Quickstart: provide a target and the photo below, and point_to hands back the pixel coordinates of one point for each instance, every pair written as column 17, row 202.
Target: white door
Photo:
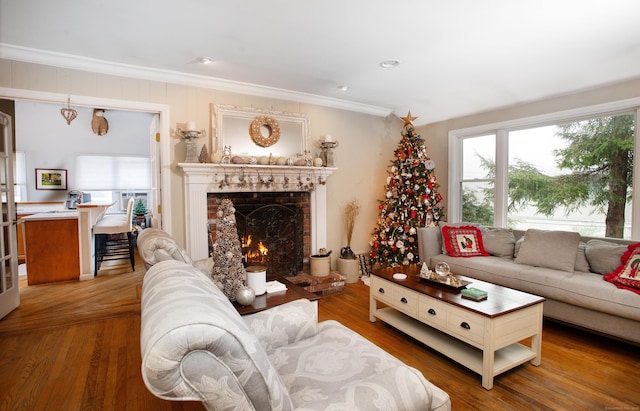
column 9, row 287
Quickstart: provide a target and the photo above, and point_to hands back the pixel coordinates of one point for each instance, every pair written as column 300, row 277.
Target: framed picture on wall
column 51, row 179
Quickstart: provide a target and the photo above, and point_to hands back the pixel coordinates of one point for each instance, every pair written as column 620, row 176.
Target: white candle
column 191, row 126
column 328, row 138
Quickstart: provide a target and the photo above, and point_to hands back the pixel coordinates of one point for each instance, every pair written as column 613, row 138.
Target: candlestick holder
column 190, row 138
column 327, row 153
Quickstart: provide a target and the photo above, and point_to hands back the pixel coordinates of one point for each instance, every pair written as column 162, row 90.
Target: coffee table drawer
column 433, row 312
column 406, row 300
column 394, row 295
column 466, row 325
column 382, row 289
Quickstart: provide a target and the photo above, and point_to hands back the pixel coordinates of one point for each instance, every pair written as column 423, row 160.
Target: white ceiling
column 457, row 57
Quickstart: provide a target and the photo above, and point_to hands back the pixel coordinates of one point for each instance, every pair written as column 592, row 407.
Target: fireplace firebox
column 272, row 227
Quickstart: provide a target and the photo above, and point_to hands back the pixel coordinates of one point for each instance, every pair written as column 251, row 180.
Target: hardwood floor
column 75, row 346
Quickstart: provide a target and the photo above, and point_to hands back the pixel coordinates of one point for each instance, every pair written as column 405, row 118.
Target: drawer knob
column 381, row 290
column 403, row 300
column 465, row 325
column 432, row 311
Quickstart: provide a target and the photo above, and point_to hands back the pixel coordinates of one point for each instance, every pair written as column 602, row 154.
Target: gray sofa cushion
column 550, row 249
column 604, row 256
column 498, row 241
column 582, row 264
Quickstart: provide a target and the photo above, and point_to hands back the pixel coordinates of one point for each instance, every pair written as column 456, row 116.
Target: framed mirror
column 255, row 132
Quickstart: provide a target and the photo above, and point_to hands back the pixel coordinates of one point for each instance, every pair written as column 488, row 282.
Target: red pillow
column 463, row 241
column 627, row 275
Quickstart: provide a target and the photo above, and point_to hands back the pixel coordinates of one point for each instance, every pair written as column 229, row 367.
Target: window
column 477, row 184
column 568, row 171
column 20, row 176
column 114, row 178
column 115, row 173
column 142, row 196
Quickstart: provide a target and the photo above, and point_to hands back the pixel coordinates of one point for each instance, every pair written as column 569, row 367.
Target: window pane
column 573, row 176
column 478, row 157
column 477, row 203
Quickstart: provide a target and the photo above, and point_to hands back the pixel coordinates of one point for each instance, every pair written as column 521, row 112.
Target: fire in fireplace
column 253, row 252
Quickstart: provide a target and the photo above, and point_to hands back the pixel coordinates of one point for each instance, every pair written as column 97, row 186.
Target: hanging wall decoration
column 99, row 124
column 68, row 113
column 268, row 124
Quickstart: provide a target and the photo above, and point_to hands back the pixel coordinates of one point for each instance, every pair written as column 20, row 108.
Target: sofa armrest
column 195, row 345
column 429, row 243
column 284, row 324
column 155, row 245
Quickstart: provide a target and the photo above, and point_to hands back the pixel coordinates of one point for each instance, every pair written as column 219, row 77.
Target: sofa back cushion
column 582, row 264
column 604, row 256
column 550, row 249
column 195, row 345
column 499, row 242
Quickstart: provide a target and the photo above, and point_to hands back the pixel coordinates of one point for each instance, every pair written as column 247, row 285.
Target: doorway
column 159, row 147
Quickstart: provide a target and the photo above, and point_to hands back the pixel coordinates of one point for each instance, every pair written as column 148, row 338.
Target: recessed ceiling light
column 343, row 88
column 390, row 63
column 205, row 60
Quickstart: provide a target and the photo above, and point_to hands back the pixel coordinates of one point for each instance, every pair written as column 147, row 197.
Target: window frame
column 501, row 131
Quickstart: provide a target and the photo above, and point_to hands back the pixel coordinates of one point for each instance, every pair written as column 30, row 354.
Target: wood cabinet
column 52, row 247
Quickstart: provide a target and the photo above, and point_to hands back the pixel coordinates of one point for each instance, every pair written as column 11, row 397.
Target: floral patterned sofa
column 195, row 346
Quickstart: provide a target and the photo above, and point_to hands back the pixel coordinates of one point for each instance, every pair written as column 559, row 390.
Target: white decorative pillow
column 550, row 249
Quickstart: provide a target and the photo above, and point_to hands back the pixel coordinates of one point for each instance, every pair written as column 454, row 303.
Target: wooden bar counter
column 52, row 247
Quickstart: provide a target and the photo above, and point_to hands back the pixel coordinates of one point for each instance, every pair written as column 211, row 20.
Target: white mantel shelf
column 203, row 178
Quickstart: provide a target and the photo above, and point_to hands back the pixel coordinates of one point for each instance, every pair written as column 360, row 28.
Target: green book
column 474, row 293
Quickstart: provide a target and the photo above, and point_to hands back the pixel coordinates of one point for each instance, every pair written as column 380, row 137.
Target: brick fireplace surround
column 201, row 179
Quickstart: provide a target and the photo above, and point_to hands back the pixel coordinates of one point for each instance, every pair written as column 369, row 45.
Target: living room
column 367, row 139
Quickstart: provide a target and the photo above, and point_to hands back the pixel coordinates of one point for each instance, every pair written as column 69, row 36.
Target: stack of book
column 474, row 294
column 275, row 286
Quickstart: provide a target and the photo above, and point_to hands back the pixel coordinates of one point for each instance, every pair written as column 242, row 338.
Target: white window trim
column 502, row 129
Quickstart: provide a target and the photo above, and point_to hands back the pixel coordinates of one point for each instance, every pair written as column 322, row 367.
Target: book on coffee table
column 475, row 294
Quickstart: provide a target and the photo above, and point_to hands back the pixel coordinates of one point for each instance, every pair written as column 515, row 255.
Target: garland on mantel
column 238, row 179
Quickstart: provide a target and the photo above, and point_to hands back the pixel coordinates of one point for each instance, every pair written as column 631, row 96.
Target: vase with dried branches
column 351, row 211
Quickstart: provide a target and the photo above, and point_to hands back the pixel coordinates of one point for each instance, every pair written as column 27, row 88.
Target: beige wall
column 366, row 142
column 438, row 132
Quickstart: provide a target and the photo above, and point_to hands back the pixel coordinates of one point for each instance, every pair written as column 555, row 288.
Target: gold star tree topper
column 408, row 120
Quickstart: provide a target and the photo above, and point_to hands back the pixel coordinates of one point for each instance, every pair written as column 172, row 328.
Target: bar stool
column 113, row 239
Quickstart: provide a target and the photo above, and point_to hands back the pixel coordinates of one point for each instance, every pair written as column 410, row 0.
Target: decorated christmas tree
column 411, row 201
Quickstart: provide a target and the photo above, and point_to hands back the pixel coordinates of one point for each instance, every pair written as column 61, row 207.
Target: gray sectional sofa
column 563, row 267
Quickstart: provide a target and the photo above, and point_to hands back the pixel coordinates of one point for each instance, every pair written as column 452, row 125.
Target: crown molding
column 29, row 55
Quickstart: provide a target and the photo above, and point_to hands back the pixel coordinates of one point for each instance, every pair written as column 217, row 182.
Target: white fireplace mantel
column 201, row 179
